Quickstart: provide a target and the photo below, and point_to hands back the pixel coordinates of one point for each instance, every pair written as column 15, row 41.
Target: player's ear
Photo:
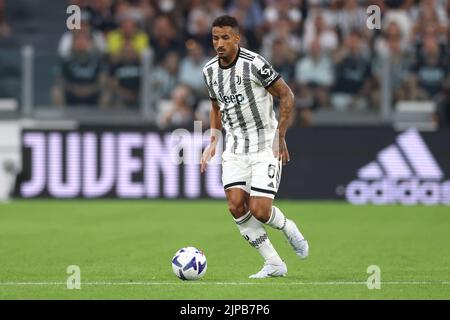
column 235, row 34
column 237, row 37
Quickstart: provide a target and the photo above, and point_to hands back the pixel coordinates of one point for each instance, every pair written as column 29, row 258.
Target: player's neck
column 224, row 64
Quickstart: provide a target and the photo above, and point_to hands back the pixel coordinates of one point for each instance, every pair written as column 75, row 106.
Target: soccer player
column 241, row 84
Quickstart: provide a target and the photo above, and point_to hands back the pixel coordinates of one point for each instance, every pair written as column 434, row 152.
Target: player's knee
column 237, row 209
column 262, row 213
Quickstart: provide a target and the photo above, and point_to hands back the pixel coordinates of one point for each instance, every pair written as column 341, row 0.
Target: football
column 189, row 263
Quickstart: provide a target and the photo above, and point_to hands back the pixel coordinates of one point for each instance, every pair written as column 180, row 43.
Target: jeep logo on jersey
column 404, row 172
column 265, row 72
column 233, row 98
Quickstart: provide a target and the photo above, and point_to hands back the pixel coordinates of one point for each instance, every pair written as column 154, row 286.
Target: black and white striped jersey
column 245, row 104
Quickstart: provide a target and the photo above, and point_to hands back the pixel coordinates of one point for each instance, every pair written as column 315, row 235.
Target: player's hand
column 209, row 152
column 280, row 150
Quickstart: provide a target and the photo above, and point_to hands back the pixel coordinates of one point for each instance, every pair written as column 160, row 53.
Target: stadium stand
column 323, row 49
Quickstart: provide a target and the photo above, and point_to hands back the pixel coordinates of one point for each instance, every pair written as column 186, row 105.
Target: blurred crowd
column 322, row 48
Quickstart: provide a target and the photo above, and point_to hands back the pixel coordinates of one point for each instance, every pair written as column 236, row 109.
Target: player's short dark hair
column 226, row 21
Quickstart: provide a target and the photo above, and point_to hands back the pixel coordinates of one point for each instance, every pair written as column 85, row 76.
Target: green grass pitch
column 124, row 250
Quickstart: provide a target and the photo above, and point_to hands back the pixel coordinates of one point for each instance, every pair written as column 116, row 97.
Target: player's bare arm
column 282, row 91
column 216, row 127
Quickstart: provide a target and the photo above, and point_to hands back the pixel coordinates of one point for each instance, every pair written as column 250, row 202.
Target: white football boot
column 271, row 270
column 295, row 238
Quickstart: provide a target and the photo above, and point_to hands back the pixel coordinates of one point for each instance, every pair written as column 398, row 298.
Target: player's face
column 225, row 41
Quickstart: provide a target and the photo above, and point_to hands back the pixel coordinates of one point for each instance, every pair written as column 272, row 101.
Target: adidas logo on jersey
column 405, row 172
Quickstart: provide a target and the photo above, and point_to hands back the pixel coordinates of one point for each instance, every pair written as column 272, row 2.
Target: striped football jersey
column 246, row 106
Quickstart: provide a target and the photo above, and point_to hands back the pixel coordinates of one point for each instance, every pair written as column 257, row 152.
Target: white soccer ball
column 189, row 263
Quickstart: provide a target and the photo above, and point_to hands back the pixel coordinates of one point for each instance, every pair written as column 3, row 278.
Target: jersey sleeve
column 208, row 83
column 263, row 72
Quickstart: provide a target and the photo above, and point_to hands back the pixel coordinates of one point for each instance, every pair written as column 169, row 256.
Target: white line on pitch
column 306, row 283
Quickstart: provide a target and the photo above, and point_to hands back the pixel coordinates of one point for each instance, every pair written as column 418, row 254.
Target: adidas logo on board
column 405, row 172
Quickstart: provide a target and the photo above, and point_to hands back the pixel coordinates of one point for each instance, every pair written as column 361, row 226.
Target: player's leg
column 263, row 210
column 266, row 174
column 235, row 179
column 250, row 228
column 238, row 200
column 254, row 232
column 235, row 176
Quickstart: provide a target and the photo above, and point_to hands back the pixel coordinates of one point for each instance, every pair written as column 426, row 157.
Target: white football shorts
column 259, row 174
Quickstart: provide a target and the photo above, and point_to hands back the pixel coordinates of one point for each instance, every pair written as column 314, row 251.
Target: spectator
column 352, row 70
column 250, row 17
column 126, row 77
column 81, row 76
column 146, row 10
column 191, row 69
column 199, row 20
column 122, row 6
column 67, row 39
column 198, row 11
column 283, row 10
column 430, row 11
column 199, row 29
column 410, row 90
column 331, row 13
column 389, row 48
column 282, row 59
column 353, row 17
column 202, row 113
column 128, row 33
column 101, row 16
column 164, row 39
column 392, row 36
column 431, row 69
column 5, row 30
column 397, row 12
column 314, row 75
column 179, row 113
column 431, row 27
column 283, row 33
column 165, row 6
column 165, row 77
column 248, row 12
column 319, row 29
column 215, row 8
